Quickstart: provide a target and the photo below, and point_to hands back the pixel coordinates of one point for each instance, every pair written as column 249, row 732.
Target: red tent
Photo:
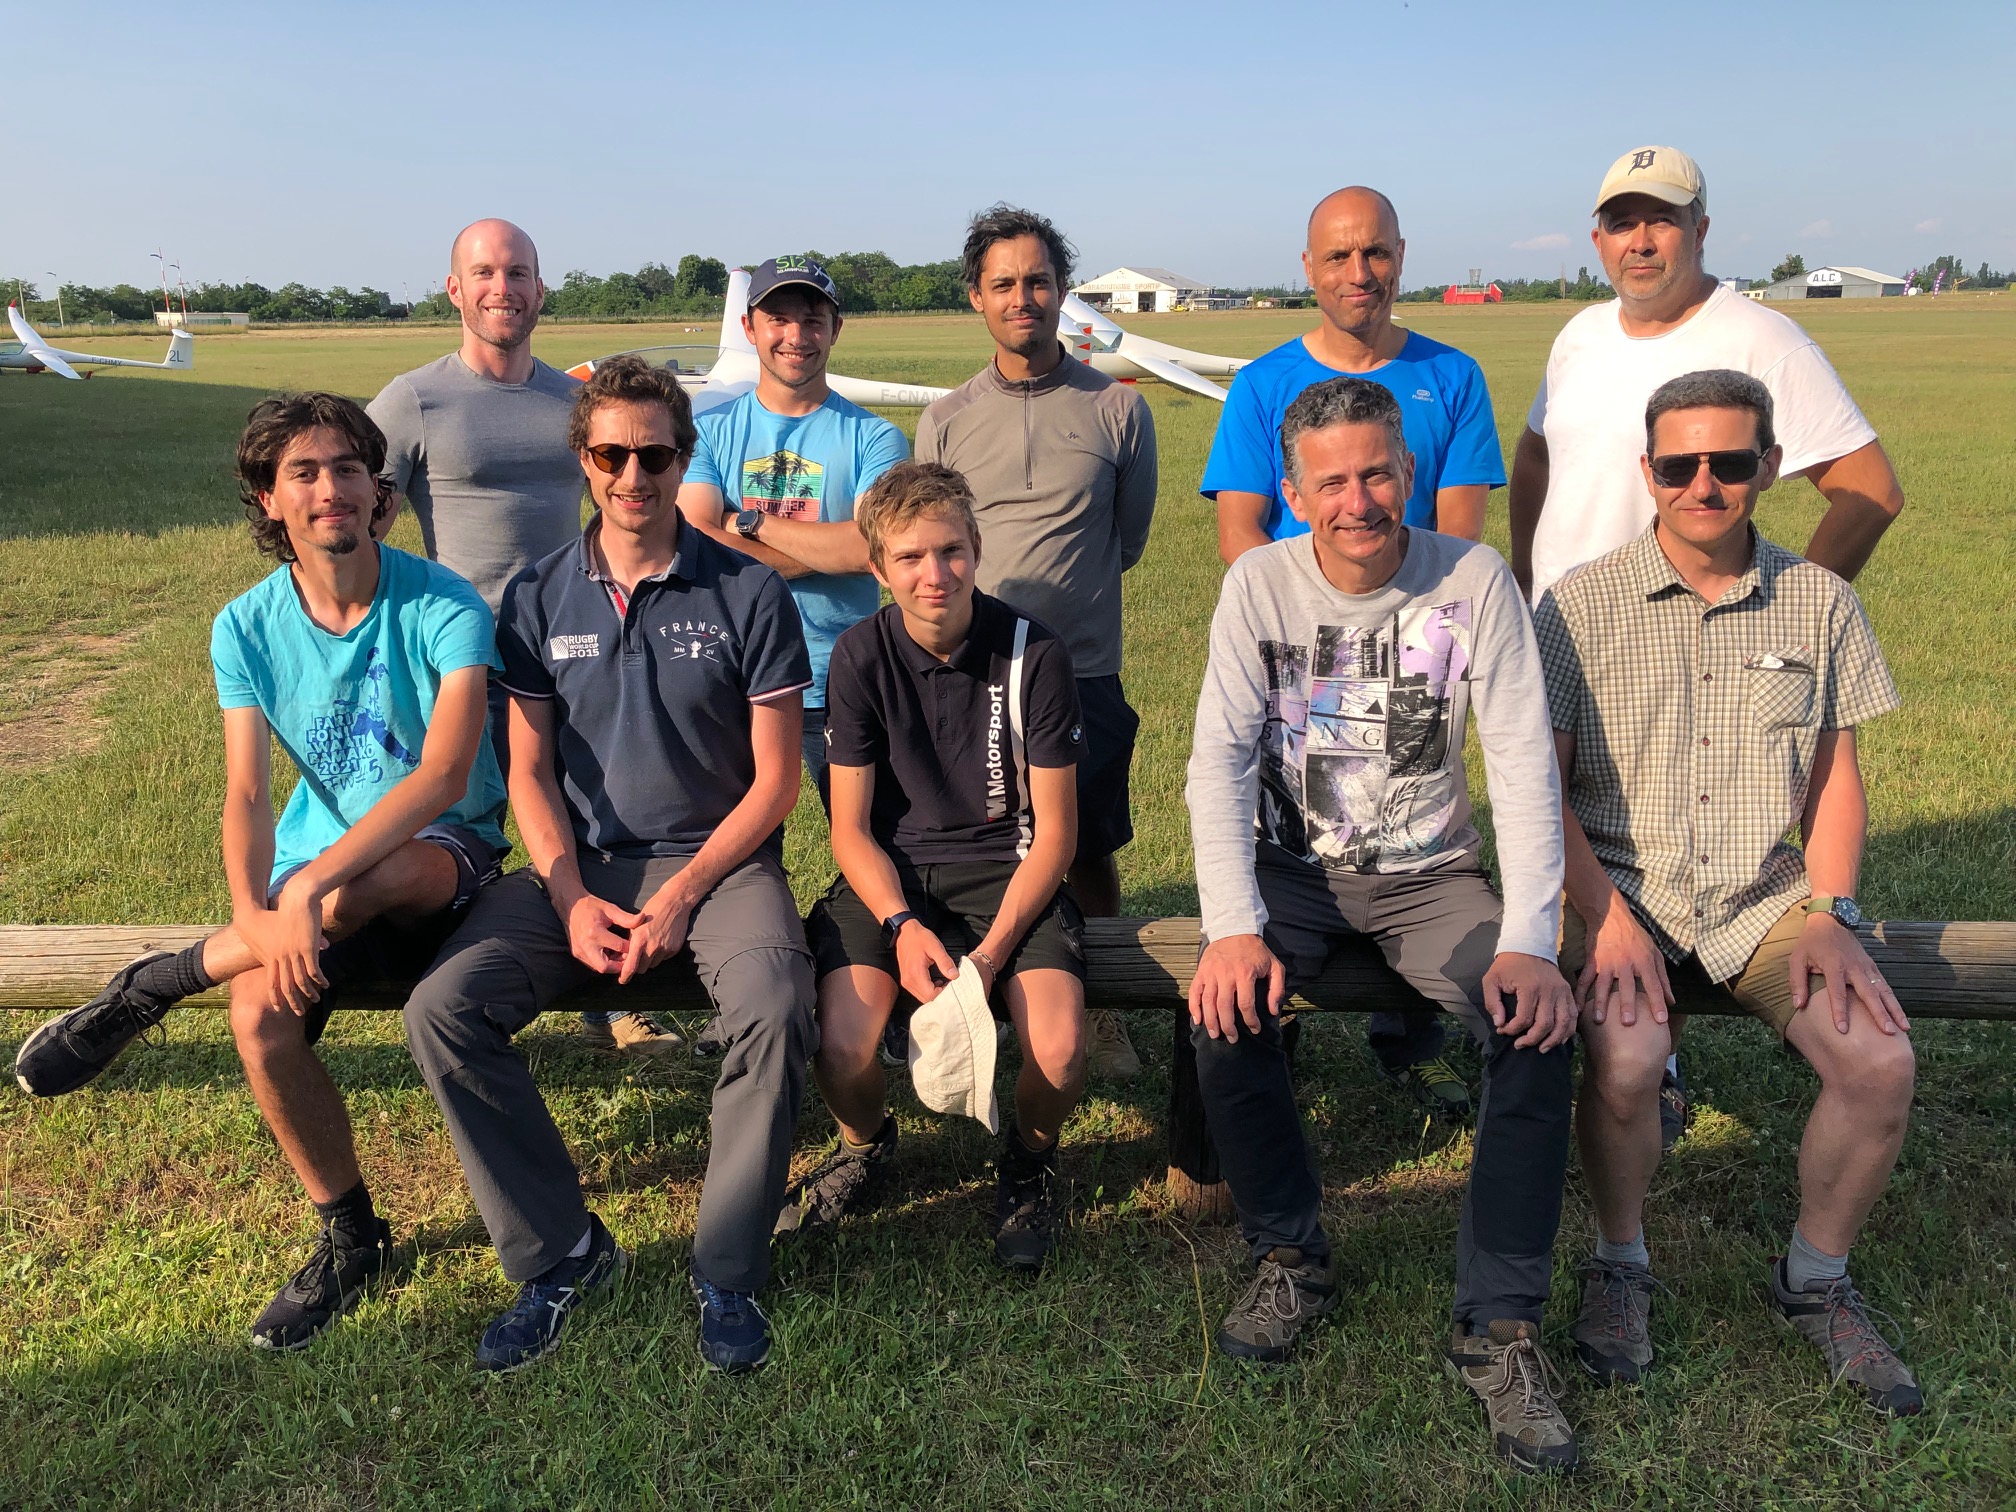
column 1489, row 294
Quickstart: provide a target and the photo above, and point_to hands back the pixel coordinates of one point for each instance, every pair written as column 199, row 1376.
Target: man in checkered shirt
column 1705, row 686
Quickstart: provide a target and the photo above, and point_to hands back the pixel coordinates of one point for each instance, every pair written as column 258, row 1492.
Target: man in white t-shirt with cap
column 1576, row 490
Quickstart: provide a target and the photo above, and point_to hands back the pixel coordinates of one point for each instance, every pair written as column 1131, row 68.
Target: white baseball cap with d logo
column 1665, row 173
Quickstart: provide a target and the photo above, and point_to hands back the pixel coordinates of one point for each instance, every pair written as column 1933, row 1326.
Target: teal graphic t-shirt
column 352, row 710
column 803, row 467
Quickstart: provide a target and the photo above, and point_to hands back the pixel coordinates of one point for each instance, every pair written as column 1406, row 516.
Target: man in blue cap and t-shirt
column 777, row 471
column 1353, row 261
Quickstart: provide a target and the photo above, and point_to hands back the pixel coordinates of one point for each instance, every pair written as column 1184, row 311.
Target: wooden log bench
column 1938, row 970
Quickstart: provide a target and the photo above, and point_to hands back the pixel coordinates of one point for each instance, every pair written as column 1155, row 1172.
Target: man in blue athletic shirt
column 1353, row 262
column 776, row 472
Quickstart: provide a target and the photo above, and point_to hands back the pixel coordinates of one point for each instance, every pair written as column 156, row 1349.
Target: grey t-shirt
column 485, row 465
column 1063, row 472
column 1331, row 727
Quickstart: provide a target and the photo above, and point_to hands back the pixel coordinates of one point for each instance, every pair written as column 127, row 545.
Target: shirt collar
column 970, row 656
column 1056, row 378
column 682, row 555
column 1653, row 575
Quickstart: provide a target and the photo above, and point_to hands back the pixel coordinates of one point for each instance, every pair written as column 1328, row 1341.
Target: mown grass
column 145, row 1221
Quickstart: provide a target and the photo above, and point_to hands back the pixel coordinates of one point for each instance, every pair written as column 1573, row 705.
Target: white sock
column 581, row 1248
column 1673, row 1064
column 1631, row 1252
column 1806, row 1265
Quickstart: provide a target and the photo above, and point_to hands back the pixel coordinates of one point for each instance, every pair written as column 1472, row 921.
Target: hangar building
column 1834, row 283
column 1127, row 291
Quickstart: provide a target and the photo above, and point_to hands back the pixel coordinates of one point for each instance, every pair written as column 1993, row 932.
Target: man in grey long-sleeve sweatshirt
column 1327, row 799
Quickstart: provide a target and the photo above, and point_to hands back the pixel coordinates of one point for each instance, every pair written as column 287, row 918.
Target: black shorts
column 957, row 900
column 1105, row 822
column 388, row 950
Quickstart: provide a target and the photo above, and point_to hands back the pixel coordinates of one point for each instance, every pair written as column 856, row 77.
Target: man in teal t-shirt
column 370, row 667
column 777, row 471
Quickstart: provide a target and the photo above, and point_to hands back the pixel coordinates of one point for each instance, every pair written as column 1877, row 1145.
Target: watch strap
column 893, row 925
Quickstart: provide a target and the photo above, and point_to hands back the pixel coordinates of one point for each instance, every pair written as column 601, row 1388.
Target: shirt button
column 1699, row 914
column 1704, row 740
column 1704, row 860
column 1704, row 797
column 1707, row 677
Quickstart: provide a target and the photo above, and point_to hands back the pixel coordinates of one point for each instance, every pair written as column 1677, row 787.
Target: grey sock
column 1810, row 1269
column 1631, row 1252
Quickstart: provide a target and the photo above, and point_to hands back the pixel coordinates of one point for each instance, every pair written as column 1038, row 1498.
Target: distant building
column 1833, row 283
column 1130, row 291
column 1473, row 294
column 196, row 319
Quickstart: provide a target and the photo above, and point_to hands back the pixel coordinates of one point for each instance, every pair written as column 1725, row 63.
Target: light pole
column 166, row 308
column 59, row 301
column 182, row 289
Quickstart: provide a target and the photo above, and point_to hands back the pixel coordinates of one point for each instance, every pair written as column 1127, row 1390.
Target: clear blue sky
column 346, row 144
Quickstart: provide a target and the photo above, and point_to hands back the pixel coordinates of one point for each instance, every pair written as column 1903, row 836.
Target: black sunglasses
column 612, row 459
column 1680, row 469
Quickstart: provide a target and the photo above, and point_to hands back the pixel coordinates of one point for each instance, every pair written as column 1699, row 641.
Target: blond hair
column 912, row 491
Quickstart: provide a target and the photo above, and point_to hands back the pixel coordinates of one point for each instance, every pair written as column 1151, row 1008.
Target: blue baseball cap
column 776, row 273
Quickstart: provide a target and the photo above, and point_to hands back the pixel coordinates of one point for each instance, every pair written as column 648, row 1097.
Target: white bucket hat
column 952, row 1048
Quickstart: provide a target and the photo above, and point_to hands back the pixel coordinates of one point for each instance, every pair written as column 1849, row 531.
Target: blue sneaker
column 531, row 1329
column 734, row 1334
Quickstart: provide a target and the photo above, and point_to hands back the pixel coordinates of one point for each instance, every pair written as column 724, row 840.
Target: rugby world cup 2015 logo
column 693, row 640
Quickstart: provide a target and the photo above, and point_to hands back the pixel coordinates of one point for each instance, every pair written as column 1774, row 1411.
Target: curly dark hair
column 271, row 428
column 1004, row 222
column 1343, row 400
column 629, row 379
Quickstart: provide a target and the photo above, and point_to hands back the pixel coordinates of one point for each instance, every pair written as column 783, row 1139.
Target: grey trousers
column 1439, row 930
column 510, row 959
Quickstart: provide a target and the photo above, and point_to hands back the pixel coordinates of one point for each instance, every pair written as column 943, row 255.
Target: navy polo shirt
column 651, row 716
column 951, row 781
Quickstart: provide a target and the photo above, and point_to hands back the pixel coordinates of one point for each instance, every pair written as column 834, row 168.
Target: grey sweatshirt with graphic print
column 1330, row 732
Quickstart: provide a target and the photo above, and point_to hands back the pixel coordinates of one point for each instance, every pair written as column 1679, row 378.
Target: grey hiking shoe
column 1613, row 1331
column 1517, row 1384
column 1836, row 1320
column 1290, row 1292
column 847, row 1181
column 1109, row 1053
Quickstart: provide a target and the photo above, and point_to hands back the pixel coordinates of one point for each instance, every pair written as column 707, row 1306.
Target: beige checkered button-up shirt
column 1695, row 726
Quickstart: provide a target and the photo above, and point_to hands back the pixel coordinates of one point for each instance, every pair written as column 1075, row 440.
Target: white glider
column 30, row 352
column 1097, row 339
column 715, row 375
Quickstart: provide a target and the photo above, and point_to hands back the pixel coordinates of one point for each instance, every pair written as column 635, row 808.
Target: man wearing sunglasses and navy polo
column 655, row 679
column 1705, row 686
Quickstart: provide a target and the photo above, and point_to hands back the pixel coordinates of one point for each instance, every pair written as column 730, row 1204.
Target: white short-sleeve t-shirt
column 1591, row 410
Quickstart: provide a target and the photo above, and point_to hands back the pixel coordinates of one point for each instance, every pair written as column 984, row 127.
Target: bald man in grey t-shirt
column 477, row 442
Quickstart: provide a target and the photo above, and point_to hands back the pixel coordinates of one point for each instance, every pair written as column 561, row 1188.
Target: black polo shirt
column 951, row 780
column 651, row 715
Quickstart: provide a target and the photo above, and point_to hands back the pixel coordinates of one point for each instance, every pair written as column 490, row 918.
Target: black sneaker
column 328, row 1286
column 847, row 1181
column 1025, row 1206
column 1675, row 1111
column 72, row 1048
column 894, row 1050
column 530, row 1328
column 1434, row 1084
column 734, row 1333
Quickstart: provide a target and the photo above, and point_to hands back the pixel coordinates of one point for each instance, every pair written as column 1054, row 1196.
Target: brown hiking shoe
column 1517, row 1384
column 632, row 1034
column 1289, row 1293
column 1836, row 1319
column 1109, row 1054
column 1613, row 1331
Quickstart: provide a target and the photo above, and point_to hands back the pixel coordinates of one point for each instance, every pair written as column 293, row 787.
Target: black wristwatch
column 893, row 926
column 748, row 522
column 1843, row 908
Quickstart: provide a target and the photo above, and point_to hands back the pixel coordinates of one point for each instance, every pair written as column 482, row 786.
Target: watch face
column 749, row 521
column 1847, row 912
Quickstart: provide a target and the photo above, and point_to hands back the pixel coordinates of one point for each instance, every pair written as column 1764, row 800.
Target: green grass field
column 144, row 1222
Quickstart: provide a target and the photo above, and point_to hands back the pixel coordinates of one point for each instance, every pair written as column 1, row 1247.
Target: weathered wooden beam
column 1938, row 970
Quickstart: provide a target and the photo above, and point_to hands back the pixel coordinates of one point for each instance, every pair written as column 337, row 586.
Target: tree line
column 867, row 281
column 1581, row 286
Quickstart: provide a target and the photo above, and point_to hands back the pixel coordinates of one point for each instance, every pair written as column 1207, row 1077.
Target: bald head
column 1353, row 263
column 493, row 280
column 1355, row 203
column 497, row 241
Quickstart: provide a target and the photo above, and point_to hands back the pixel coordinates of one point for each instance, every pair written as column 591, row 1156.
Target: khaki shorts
column 1763, row 987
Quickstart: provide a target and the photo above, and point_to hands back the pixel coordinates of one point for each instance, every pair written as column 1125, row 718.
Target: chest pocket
column 1779, row 699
